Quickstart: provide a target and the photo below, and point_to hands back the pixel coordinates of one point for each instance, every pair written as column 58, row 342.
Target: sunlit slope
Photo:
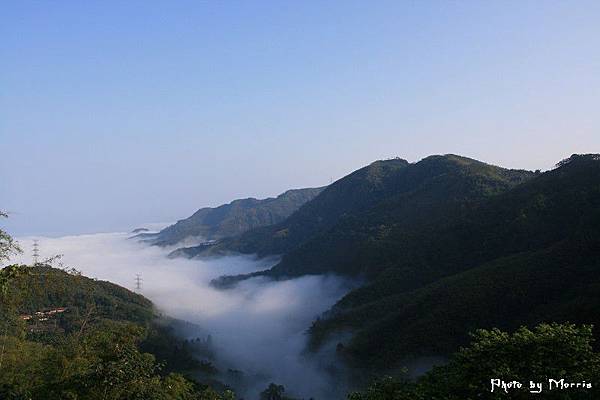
column 68, row 336
column 43, row 287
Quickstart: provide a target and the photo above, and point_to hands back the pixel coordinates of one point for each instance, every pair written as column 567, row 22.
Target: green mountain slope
column 434, row 179
column 411, row 200
column 44, row 287
column 357, row 191
column 421, row 197
column 530, row 254
column 63, row 335
column 234, row 218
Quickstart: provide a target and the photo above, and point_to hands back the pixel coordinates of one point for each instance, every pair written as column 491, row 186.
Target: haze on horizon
column 113, row 114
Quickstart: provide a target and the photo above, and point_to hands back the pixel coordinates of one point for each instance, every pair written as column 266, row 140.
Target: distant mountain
column 234, row 218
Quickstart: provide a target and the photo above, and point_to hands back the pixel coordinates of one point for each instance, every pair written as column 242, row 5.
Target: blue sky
column 117, row 113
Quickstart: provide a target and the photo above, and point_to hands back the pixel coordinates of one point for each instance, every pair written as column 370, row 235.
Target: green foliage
column 550, row 351
column 42, row 287
column 103, row 363
column 176, row 354
column 8, row 276
column 94, row 352
column 388, row 388
column 8, row 247
column 274, row 392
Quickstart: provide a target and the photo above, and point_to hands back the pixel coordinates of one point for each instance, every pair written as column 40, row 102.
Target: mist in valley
column 258, row 327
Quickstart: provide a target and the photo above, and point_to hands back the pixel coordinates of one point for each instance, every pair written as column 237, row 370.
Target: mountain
column 527, row 255
column 445, row 245
column 348, row 227
column 43, row 287
column 357, row 191
column 454, row 244
column 234, row 218
column 419, row 198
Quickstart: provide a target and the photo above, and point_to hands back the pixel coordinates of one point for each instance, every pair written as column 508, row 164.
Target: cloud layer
column 258, row 327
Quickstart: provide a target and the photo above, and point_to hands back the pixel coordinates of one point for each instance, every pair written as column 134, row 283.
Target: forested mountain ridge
column 414, row 196
column 360, row 191
column 356, row 191
column 233, row 218
column 525, row 256
column 43, row 287
column 420, row 198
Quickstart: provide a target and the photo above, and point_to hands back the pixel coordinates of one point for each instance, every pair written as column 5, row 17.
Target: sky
column 114, row 114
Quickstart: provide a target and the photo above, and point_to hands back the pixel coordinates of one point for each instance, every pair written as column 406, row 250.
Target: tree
column 549, row 351
column 388, row 388
column 273, row 392
column 8, row 246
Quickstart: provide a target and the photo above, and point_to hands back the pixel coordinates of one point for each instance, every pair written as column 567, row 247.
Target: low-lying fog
column 258, row 327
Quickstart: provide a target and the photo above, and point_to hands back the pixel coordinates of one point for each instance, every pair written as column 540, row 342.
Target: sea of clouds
column 259, row 327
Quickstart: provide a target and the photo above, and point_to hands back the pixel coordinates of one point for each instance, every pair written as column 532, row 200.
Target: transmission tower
column 138, row 282
column 36, row 251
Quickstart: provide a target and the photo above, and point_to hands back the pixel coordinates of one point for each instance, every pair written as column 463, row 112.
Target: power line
column 138, row 282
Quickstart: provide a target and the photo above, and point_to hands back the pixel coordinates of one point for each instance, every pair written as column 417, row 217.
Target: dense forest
column 524, row 256
column 65, row 336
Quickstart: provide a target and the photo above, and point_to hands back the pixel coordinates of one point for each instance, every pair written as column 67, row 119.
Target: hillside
column 68, row 336
column 457, row 245
column 43, row 287
column 420, row 198
column 352, row 193
column 234, row 218
column 521, row 257
column 357, row 241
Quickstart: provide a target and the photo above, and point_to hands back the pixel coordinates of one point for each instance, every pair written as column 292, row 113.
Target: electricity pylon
column 138, row 282
column 36, row 251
